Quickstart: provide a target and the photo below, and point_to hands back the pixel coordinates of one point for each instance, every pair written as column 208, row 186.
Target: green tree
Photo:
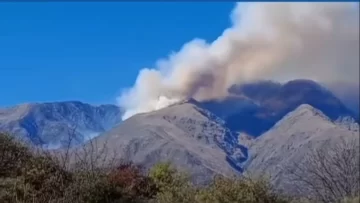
column 173, row 186
column 226, row 190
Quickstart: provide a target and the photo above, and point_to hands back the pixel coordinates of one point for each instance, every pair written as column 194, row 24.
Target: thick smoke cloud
column 278, row 41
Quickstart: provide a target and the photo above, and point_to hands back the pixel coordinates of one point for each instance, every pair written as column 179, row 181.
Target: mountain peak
column 292, row 141
column 185, row 133
column 187, row 101
column 308, row 109
column 15, row 112
column 185, row 108
column 305, row 113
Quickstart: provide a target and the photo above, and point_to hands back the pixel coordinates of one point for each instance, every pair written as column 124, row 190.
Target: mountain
column 260, row 105
column 292, row 139
column 193, row 139
column 53, row 124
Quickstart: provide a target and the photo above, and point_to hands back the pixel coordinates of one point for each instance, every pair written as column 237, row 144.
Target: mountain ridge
column 191, row 138
column 51, row 123
column 292, row 140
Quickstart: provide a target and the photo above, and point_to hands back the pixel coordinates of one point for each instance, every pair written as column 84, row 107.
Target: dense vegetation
column 29, row 177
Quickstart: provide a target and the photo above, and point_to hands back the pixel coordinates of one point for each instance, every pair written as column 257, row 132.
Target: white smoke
column 279, row 41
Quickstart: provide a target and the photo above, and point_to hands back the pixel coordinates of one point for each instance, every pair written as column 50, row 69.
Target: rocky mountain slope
column 51, row 124
column 292, row 139
column 193, row 139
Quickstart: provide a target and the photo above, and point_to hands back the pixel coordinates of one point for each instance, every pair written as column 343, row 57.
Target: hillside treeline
column 27, row 176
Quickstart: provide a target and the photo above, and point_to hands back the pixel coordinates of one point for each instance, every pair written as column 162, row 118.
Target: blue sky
column 89, row 51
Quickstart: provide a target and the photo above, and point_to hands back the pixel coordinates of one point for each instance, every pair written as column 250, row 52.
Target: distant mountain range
column 259, row 127
column 54, row 124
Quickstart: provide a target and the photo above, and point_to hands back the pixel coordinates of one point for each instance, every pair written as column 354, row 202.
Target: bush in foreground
column 176, row 187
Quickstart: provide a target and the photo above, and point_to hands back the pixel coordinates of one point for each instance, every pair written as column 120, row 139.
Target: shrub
column 13, row 156
column 45, row 178
column 173, row 186
column 88, row 188
column 226, row 190
column 176, row 187
column 129, row 180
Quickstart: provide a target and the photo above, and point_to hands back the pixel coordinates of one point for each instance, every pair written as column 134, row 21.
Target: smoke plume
column 278, row 41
